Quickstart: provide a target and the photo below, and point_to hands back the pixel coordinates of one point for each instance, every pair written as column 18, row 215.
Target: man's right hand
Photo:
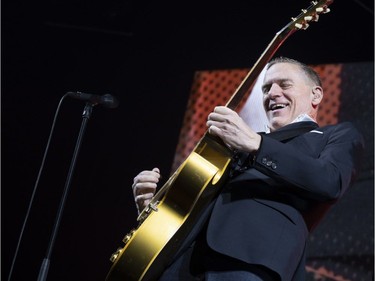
column 144, row 187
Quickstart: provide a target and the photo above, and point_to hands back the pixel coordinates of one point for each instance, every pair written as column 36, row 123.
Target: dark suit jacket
column 264, row 215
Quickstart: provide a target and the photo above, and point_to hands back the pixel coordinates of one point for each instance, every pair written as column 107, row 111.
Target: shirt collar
column 300, row 118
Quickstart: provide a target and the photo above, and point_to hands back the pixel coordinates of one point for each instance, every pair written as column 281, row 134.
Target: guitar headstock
column 303, row 19
column 310, row 14
column 300, row 22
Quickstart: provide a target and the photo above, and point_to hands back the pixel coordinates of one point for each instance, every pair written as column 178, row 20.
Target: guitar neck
column 254, row 72
column 297, row 23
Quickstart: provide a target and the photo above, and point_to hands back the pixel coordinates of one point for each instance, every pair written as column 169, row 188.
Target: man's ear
column 317, row 95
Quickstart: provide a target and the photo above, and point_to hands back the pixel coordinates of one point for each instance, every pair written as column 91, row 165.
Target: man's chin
column 277, row 123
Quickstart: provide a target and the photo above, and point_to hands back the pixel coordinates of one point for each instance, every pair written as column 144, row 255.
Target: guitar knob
column 128, row 236
column 301, row 26
column 323, row 10
column 115, row 255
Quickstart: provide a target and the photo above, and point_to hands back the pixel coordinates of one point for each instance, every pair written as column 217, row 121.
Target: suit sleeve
column 324, row 176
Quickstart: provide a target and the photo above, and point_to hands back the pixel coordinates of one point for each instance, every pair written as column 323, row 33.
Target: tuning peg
column 326, row 10
column 311, row 18
column 303, row 26
column 323, row 10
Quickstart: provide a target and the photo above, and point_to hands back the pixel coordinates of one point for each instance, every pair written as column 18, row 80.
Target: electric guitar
column 169, row 217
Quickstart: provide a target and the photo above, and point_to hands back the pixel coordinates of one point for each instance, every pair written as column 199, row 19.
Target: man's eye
column 285, row 85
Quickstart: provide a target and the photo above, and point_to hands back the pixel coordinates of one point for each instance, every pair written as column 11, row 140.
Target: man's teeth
column 277, row 106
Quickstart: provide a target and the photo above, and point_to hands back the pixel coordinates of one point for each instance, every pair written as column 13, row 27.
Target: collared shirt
column 300, row 118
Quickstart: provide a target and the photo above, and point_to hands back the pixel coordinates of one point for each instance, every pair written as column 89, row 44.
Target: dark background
column 145, row 54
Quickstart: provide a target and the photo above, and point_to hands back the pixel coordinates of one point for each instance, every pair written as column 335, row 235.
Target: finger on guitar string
column 223, row 119
column 221, row 114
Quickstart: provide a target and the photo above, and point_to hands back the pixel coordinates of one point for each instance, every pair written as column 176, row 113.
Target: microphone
column 106, row 100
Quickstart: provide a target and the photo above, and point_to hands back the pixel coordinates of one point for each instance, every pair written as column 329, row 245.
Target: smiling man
column 291, row 90
column 281, row 184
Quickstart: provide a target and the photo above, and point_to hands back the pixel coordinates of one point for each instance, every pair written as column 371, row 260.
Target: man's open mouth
column 277, row 106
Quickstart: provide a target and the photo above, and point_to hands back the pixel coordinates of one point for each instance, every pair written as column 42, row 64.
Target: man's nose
column 275, row 90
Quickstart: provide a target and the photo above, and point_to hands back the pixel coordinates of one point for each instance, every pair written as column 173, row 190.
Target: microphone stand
column 46, row 261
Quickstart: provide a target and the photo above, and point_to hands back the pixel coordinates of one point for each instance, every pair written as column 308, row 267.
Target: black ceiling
column 199, row 28
column 145, row 54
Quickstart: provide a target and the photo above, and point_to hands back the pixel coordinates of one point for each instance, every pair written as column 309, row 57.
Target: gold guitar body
column 166, row 222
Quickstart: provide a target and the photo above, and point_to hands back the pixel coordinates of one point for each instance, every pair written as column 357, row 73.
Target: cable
column 35, row 187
